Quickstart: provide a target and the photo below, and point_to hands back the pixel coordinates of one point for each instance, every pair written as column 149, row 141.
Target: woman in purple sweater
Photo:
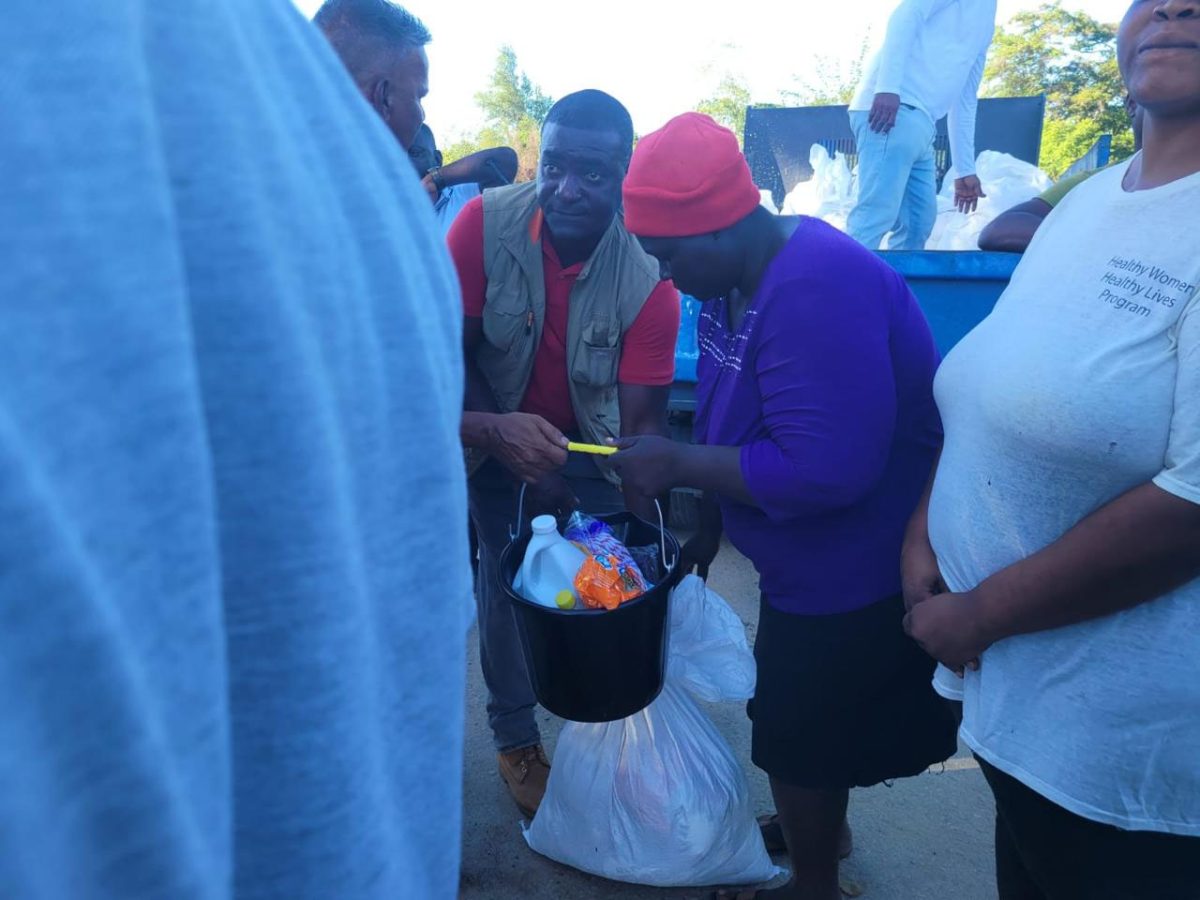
column 816, row 432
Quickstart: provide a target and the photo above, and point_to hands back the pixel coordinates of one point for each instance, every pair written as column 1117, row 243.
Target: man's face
column 706, row 266
column 424, row 152
column 399, row 104
column 579, row 181
column 1158, row 46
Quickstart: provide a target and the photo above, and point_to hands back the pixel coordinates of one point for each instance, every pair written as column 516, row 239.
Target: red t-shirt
column 647, row 349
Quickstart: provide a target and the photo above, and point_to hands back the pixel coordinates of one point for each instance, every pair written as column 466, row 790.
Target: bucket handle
column 514, row 531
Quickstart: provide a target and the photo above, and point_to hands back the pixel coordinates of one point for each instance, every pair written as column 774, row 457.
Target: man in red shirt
column 566, row 319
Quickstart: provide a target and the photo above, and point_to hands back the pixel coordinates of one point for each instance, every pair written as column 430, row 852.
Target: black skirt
column 845, row 700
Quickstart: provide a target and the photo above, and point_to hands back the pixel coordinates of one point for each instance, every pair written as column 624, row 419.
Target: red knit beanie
column 687, row 178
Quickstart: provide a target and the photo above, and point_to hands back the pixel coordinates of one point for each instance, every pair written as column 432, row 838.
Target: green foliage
column 832, row 83
column 728, row 105
column 1072, row 59
column 511, row 97
column 513, row 107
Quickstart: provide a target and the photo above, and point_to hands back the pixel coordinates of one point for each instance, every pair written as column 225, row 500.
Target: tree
column 728, row 105
column 1072, row 59
column 833, row 83
column 514, row 108
column 511, row 96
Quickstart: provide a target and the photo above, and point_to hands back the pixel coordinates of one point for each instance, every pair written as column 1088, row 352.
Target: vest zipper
column 529, row 322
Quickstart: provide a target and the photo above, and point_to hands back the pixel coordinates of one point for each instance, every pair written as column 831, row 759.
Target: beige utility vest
column 606, row 298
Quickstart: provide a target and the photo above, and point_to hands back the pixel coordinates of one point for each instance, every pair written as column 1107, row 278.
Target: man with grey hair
column 383, row 47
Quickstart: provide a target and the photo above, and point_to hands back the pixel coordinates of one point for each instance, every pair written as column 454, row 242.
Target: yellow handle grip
column 594, row 449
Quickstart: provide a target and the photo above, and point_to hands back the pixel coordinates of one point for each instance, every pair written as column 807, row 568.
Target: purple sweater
column 828, row 389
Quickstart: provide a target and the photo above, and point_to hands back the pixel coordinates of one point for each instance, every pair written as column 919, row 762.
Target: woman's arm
column 829, row 399
column 919, row 573
column 650, row 466
column 1130, row 551
column 1142, row 545
column 824, row 375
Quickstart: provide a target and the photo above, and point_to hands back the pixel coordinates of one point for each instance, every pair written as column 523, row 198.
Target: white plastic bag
column 829, row 195
column 659, row 798
column 1006, row 180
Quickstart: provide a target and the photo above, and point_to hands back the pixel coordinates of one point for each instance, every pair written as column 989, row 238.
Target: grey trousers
column 493, row 500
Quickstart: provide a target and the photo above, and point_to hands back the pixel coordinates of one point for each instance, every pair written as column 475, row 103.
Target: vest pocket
column 506, row 320
column 598, row 355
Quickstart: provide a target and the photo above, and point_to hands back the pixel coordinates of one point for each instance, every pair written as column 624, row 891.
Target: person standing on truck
column 452, row 187
column 1056, row 562
column 930, row 65
column 565, row 318
column 1013, row 229
column 815, row 430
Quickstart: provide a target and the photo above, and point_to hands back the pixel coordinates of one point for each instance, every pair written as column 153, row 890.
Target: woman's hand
column 698, row 553
column 951, row 629
column 648, row 464
column 919, row 573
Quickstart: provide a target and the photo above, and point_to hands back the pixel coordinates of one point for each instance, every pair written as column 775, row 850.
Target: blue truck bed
column 956, row 291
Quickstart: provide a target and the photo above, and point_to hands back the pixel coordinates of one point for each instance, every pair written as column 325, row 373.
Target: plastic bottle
column 547, row 573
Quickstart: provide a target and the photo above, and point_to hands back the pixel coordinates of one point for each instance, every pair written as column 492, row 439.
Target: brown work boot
column 526, row 772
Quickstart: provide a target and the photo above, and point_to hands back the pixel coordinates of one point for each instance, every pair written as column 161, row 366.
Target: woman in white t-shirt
column 1057, row 557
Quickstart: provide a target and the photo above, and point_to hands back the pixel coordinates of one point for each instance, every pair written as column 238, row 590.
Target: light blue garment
column 451, row 202
column 233, row 567
column 897, row 182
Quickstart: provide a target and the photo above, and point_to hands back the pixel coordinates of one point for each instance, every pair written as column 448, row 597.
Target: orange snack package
column 603, row 583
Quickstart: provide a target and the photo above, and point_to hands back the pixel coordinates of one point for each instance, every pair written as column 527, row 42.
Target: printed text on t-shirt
column 1137, row 287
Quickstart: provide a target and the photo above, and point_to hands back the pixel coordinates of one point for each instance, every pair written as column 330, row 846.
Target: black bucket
column 597, row 665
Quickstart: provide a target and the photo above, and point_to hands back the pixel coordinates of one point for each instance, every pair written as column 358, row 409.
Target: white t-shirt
column 933, row 56
column 1083, row 384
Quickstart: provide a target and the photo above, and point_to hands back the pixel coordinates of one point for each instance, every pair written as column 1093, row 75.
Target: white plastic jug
column 547, row 574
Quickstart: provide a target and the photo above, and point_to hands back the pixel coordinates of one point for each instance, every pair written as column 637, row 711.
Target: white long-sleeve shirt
column 933, row 56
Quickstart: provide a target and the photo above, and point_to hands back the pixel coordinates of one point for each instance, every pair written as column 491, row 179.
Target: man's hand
column 527, row 445
column 648, row 464
column 550, row 495
column 951, row 629
column 883, row 113
column 919, row 573
column 967, row 193
column 431, row 187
